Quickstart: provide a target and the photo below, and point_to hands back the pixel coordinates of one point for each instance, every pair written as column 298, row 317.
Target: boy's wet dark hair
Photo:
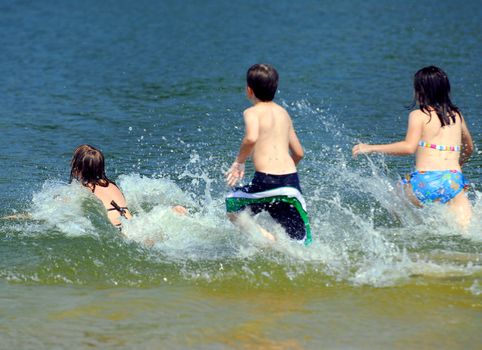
column 263, row 80
column 88, row 167
column 432, row 89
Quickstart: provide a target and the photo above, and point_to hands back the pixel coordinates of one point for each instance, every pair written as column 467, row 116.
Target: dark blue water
column 159, row 86
column 85, row 72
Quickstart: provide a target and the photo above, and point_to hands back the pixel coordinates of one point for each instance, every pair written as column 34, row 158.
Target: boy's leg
column 462, row 209
column 288, row 217
column 266, row 233
column 246, row 225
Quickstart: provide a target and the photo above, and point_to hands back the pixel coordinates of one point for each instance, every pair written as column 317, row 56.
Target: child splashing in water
column 88, row 168
column 270, row 139
column 438, row 134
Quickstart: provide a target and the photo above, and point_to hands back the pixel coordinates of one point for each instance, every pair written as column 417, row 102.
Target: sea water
column 159, row 87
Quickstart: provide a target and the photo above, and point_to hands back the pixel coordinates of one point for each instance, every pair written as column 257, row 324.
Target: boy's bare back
column 269, row 137
column 275, row 139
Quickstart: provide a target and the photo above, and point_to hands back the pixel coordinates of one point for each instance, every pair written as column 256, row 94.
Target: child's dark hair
column 263, row 80
column 432, row 90
column 87, row 167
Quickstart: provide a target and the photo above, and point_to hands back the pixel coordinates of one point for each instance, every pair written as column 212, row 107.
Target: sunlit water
column 165, row 109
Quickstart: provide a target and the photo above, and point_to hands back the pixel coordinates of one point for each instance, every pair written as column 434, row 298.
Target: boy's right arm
column 236, row 172
column 251, row 134
column 296, row 150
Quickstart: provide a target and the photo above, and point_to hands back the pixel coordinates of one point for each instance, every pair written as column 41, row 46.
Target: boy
column 271, row 141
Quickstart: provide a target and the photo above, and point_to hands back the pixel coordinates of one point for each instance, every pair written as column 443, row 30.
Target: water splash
column 364, row 230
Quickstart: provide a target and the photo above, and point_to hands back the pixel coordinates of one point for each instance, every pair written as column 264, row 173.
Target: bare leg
column 245, row 226
column 266, row 234
column 21, row 216
column 407, row 189
column 462, row 209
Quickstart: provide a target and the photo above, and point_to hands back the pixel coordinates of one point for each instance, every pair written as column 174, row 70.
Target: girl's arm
column 406, row 147
column 21, row 216
column 467, row 144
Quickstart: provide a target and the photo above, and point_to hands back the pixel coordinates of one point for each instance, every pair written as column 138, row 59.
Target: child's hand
column 360, row 149
column 235, row 173
column 179, row 209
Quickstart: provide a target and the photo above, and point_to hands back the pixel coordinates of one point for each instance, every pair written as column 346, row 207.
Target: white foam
column 60, row 207
column 363, row 230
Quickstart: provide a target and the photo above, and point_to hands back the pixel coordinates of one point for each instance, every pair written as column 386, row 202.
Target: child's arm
column 296, row 150
column 236, row 172
column 250, row 136
column 21, row 216
column 179, row 209
column 408, row 146
column 467, row 144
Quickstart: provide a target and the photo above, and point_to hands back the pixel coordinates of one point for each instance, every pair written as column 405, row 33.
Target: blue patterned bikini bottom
column 436, row 185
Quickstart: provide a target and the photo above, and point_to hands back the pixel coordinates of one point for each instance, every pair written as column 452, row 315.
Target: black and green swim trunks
column 280, row 196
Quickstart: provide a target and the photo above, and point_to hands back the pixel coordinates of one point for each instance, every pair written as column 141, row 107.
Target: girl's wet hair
column 87, row 167
column 432, row 90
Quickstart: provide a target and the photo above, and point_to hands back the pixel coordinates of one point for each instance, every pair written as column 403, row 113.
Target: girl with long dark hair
column 438, row 134
column 87, row 167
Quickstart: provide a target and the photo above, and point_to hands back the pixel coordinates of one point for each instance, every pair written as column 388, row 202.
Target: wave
column 365, row 232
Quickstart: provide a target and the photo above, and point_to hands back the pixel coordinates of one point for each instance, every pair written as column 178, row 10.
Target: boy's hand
column 235, row 173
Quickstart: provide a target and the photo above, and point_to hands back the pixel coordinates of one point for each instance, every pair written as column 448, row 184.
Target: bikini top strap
column 422, row 143
column 121, row 210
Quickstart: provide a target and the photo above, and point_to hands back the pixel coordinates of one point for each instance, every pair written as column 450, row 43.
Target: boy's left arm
column 236, row 172
column 296, row 150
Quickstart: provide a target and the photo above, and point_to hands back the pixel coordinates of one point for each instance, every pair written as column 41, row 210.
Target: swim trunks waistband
column 263, row 182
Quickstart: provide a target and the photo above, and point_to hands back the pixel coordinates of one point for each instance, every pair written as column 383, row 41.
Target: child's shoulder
column 259, row 109
column 418, row 113
column 250, row 110
column 110, row 192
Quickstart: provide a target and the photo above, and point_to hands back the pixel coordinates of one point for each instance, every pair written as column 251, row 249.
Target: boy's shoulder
column 259, row 109
column 250, row 110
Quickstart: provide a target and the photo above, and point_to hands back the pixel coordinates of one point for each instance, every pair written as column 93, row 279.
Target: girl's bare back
column 432, row 133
